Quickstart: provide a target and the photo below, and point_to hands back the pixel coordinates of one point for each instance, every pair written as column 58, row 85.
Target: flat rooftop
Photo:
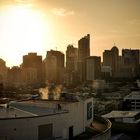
column 133, row 95
column 121, row 114
column 27, row 109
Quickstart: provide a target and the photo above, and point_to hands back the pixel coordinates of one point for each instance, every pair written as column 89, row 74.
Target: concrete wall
column 27, row 128
column 128, row 120
column 106, row 134
column 77, row 116
column 103, row 136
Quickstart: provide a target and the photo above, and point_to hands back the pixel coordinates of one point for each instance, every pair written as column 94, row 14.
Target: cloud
column 62, row 12
column 8, row 2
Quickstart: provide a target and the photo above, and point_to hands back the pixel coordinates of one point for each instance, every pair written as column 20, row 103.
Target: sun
column 22, row 30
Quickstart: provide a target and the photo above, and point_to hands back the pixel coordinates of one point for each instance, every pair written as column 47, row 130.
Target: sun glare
column 22, row 29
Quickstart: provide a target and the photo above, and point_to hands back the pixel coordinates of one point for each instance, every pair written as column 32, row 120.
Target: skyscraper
column 59, row 57
column 59, row 64
column 33, row 62
column 71, row 65
column 71, row 58
column 132, row 60
column 83, row 53
column 15, row 76
column 50, row 71
column 3, row 72
column 110, row 58
column 84, row 47
column 93, row 68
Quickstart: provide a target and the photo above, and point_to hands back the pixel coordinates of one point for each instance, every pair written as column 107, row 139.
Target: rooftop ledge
column 100, row 127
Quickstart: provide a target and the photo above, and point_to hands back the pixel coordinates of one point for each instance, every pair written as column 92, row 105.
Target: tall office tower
column 132, row 60
column 83, row 53
column 110, row 58
column 59, row 64
column 71, row 58
column 50, row 71
column 32, row 68
column 93, row 68
column 71, row 65
column 59, row 57
column 84, row 47
column 15, row 77
column 3, row 72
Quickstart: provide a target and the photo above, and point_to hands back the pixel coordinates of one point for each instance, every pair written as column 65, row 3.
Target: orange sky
column 66, row 21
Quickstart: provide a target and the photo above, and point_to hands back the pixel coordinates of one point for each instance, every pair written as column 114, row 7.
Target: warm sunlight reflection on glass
column 22, row 30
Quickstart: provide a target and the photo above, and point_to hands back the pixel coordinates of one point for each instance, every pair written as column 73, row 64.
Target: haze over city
column 39, row 25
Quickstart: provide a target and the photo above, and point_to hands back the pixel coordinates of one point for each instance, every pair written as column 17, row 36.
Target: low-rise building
column 45, row 119
column 132, row 101
column 124, row 120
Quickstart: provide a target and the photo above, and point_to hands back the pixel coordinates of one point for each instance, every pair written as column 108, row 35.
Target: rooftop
column 121, row 114
column 100, row 127
column 27, row 109
column 133, row 95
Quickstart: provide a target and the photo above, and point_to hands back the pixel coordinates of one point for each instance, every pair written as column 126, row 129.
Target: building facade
column 71, row 58
column 39, row 120
column 60, row 59
column 50, row 68
column 93, row 68
column 3, row 72
column 71, row 66
column 34, row 62
column 15, row 78
column 110, row 58
column 83, row 53
column 132, row 61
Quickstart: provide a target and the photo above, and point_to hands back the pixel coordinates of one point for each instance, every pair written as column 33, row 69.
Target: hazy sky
column 107, row 21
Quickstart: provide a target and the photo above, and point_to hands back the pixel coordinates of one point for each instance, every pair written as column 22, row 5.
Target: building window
column 89, row 110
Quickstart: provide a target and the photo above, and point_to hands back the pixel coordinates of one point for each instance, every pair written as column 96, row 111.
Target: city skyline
column 59, row 23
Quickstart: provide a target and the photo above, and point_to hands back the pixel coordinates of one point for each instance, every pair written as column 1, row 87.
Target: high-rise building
column 93, row 68
column 3, row 72
column 125, row 71
column 15, row 76
column 71, row 77
column 50, row 63
column 59, row 64
column 71, row 58
column 32, row 65
column 132, row 60
column 83, row 53
column 30, row 76
column 106, row 72
column 84, row 47
column 59, row 57
column 110, row 58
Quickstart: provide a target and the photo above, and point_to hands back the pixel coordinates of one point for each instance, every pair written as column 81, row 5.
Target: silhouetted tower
column 59, row 57
column 50, row 68
column 111, row 58
column 33, row 62
column 83, row 53
column 132, row 60
column 59, row 64
column 93, row 68
column 15, row 76
column 84, row 47
column 71, row 58
column 3, row 72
